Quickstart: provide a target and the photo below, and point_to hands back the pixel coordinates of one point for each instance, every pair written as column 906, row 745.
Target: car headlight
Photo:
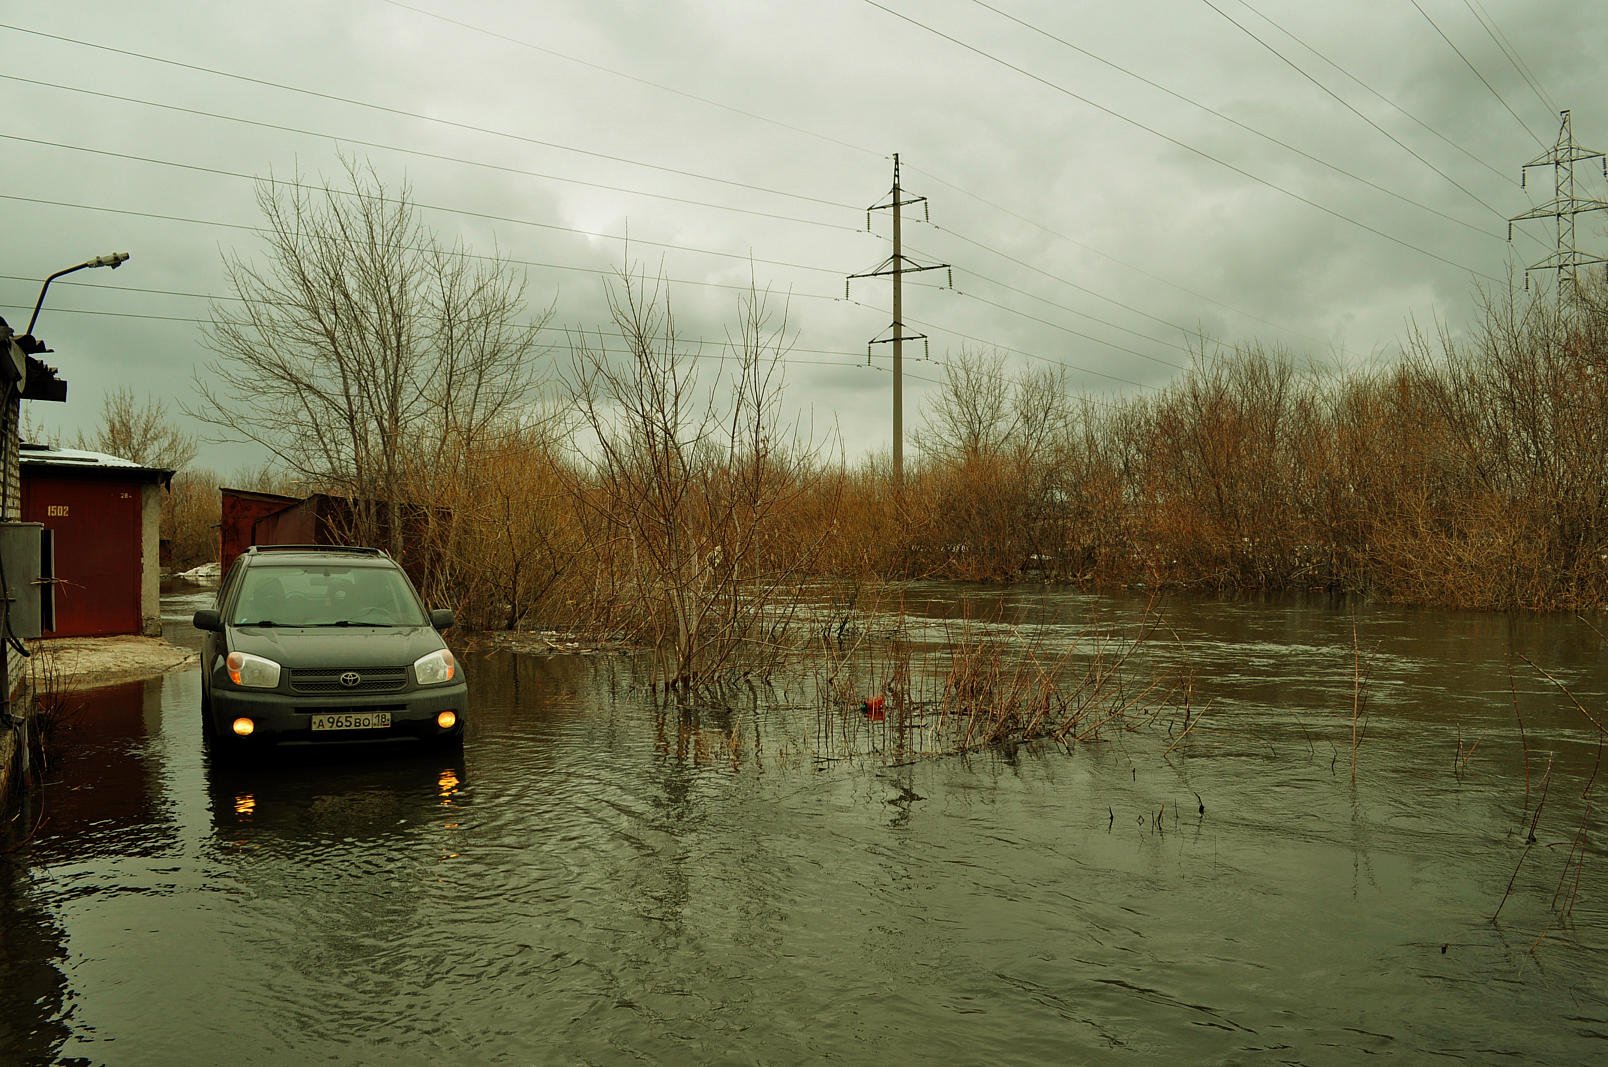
column 252, row 672
column 437, row 668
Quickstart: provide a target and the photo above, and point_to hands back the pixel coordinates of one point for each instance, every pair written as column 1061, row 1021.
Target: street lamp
column 112, row 260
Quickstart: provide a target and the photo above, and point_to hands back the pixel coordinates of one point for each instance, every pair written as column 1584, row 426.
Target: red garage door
column 96, row 524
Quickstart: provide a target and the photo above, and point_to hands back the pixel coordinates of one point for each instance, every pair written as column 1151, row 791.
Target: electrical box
column 27, row 571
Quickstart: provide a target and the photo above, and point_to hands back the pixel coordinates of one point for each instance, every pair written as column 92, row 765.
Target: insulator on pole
column 926, row 349
column 951, row 272
column 846, row 281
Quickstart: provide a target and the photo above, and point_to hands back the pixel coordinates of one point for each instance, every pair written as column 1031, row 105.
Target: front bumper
column 279, row 717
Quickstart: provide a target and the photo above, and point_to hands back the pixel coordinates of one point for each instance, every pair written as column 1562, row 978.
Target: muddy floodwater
column 598, row 879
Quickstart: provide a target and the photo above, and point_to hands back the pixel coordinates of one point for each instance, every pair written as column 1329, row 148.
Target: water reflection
column 103, row 797
column 367, row 794
column 604, row 874
column 33, row 988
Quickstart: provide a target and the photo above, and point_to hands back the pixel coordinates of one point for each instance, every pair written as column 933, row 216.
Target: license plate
column 353, row 720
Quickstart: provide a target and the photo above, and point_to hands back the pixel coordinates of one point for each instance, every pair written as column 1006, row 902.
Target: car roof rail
column 358, row 550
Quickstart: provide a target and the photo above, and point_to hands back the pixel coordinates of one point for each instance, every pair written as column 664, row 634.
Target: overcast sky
column 1111, row 182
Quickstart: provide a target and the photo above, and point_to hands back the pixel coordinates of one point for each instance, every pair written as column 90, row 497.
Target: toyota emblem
column 350, row 679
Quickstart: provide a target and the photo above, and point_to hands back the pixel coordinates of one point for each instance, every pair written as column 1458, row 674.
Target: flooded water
column 598, row 879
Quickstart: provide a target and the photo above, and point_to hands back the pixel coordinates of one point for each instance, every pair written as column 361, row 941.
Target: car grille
column 369, row 680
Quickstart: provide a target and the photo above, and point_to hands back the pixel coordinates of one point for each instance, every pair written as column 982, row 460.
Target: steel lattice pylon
column 1566, row 260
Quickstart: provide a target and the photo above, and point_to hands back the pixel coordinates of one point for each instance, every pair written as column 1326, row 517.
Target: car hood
column 336, row 646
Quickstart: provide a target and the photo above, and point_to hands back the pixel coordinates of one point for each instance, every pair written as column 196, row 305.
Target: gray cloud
column 1158, row 232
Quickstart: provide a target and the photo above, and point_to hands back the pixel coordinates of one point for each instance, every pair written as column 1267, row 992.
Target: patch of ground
column 91, row 662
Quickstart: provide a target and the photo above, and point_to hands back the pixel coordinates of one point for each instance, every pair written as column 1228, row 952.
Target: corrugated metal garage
column 252, row 518
column 239, row 512
column 104, row 514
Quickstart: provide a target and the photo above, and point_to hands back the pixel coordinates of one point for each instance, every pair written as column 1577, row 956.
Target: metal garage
column 104, row 516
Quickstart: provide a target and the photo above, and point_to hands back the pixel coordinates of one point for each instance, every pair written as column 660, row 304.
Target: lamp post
column 111, row 259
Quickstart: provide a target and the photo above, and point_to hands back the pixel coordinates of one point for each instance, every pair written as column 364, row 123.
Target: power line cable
column 1236, row 123
column 1007, row 348
column 1347, row 105
column 220, row 298
column 1033, row 296
column 1505, row 175
column 1029, row 355
column 403, row 113
column 1266, row 183
column 858, row 148
column 1103, row 255
column 597, row 271
column 1071, row 284
column 1059, row 306
column 1067, row 329
column 419, row 153
column 465, row 212
column 295, row 184
column 371, row 144
column 1477, row 73
column 857, row 361
column 240, row 175
column 508, row 38
column 70, row 205
column 517, row 221
column 1508, row 49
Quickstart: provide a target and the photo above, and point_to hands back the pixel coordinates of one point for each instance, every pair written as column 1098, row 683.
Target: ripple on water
column 596, row 879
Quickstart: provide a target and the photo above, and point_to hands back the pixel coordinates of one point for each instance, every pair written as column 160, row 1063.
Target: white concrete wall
column 151, row 560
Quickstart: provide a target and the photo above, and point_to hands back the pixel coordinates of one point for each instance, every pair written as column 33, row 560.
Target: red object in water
column 871, row 708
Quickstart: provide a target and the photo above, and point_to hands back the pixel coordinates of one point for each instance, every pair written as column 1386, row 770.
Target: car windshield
column 325, row 596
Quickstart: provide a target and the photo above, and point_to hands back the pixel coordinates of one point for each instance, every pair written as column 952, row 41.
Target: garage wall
column 98, row 522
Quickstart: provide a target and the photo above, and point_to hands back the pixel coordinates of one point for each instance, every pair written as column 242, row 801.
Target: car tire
column 209, row 732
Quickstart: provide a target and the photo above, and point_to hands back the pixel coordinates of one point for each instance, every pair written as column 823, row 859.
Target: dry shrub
column 190, row 518
column 511, row 538
column 688, row 486
column 983, row 687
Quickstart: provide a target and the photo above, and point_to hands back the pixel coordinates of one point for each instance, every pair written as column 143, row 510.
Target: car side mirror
column 441, row 618
column 208, row 619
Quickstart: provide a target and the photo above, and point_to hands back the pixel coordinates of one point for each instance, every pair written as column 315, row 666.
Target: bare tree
column 689, row 485
column 140, row 433
column 971, row 416
column 362, row 354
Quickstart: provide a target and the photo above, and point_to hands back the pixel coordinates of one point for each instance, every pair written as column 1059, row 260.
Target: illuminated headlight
column 252, row 672
column 437, row 668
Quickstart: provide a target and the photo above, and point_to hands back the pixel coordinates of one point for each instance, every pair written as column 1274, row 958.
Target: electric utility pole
column 897, row 265
column 1565, row 205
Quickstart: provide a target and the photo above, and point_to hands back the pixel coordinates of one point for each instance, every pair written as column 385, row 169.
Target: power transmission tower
column 1565, row 205
column 897, row 265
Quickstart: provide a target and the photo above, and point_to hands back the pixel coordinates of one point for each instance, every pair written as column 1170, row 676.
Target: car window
column 227, row 584
column 325, row 596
